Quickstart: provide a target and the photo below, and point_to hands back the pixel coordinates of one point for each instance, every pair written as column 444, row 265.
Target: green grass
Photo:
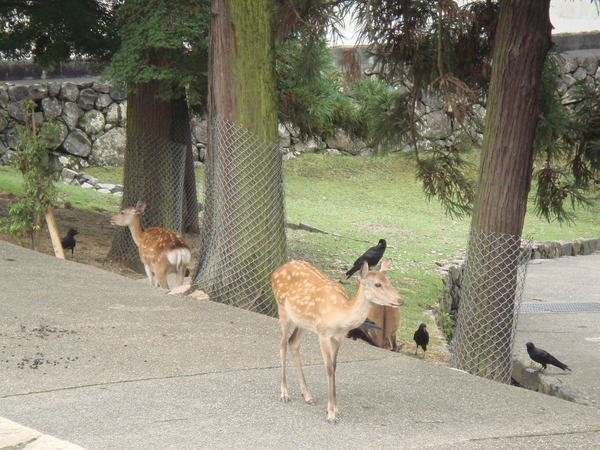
column 366, row 199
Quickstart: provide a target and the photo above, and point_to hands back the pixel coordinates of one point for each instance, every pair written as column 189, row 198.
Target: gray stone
column 103, row 101
column 571, row 96
column 92, row 122
column 366, row 152
column 123, row 114
column 568, row 79
column 333, row 152
column 18, row 93
column 4, row 98
column 101, row 87
column 117, row 93
column 436, row 125
column 38, row 91
column 108, row 186
column 569, row 64
column 103, row 191
column 580, row 74
column 68, row 175
column 71, row 114
column 199, row 130
column 109, row 148
column 12, row 138
column 288, row 156
column 565, row 248
column 3, row 123
column 589, row 245
column 53, row 88
column 9, row 157
column 51, row 107
column 90, row 179
column 118, row 194
column 70, row 162
column 69, row 92
column 77, row 143
column 113, row 114
column 201, row 153
column 16, row 110
column 53, row 140
column 117, row 188
column 285, row 138
column 87, row 186
column 87, row 99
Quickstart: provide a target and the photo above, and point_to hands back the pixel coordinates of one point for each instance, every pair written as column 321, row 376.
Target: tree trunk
column 486, row 314
column 243, row 234
column 157, row 144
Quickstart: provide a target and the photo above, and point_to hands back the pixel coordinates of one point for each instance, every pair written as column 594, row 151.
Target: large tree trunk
column 487, row 310
column 243, row 235
column 157, row 145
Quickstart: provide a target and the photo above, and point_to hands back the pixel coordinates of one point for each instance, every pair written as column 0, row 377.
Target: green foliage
column 166, row 41
column 26, row 215
column 309, row 88
column 56, row 30
column 568, row 145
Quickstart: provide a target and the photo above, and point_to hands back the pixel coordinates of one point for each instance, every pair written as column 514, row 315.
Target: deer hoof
column 285, row 399
column 309, row 401
column 332, row 420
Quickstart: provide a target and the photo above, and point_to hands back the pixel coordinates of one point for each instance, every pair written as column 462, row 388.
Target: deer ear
column 385, row 265
column 364, row 270
column 140, row 207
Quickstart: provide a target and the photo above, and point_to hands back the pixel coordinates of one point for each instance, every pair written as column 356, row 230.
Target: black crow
column 421, row 338
column 360, row 332
column 371, row 256
column 543, row 357
column 68, row 242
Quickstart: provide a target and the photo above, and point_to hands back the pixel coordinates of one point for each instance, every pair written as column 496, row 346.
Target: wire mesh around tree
column 159, row 172
column 243, row 234
column 493, row 282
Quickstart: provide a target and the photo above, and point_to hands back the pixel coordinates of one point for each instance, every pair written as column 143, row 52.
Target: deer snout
column 397, row 303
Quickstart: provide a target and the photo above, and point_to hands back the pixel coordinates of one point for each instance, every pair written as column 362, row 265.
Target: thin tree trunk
column 486, row 314
column 243, row 235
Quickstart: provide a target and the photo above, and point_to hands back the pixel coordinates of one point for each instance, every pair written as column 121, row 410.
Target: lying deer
column 308, row 300
column 388, row 320
column 162, row 251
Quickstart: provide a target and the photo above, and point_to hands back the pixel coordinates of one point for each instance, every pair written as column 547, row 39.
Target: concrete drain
column 529, row 307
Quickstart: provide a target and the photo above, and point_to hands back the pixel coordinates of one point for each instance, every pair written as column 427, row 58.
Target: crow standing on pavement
column 68, row 242
column 543, row 357
column 421, row 338
column 371, row 256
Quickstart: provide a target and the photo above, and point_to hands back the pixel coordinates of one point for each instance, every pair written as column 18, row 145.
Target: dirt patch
column 93, row 241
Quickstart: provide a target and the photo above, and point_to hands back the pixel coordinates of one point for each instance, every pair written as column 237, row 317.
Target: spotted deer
column 162, row 251
column 308, row 300
column 388, row 320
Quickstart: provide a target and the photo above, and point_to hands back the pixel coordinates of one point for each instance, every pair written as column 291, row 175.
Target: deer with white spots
column 162, row 251
column 308, row 300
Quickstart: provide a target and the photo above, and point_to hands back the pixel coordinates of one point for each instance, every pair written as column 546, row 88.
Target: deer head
column 376, row 287
column 128, row 215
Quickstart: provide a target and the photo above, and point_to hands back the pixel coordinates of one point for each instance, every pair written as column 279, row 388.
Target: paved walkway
column 572, row 337
column 102, row 361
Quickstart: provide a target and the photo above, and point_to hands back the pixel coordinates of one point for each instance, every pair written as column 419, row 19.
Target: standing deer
column 162, row 251
column 388, row 320
column 308, row 300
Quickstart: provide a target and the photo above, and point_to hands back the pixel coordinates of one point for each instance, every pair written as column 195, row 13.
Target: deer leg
column 180, row 274
column 161, row 275
column 335, row 347
column 327, row 359
column 150, row 275
column 294, row 343
column 282, row 351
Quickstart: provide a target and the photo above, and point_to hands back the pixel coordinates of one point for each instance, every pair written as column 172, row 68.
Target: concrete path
column 572, row 337
column 106, row 362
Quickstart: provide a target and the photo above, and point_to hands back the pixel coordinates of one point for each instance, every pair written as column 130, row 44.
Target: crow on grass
column 371, row 256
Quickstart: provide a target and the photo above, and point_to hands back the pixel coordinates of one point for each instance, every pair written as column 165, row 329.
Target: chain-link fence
column 493, row 282
column 159, row 171
column 243, row 234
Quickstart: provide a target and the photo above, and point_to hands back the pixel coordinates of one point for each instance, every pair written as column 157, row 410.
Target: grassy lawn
column 365, row 199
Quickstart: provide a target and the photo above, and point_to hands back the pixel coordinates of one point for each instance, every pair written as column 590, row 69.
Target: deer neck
column 359, row 308
column 137, row 230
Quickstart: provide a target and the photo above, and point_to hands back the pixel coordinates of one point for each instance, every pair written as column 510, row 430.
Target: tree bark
column 157, row 145
column 486, row 314
column 243, row 234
